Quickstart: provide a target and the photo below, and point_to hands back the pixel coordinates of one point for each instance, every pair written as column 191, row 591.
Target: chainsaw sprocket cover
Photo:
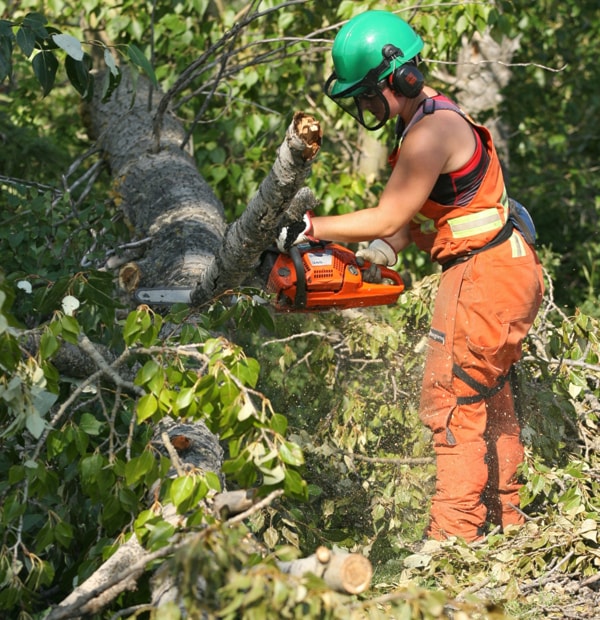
column 324, row 276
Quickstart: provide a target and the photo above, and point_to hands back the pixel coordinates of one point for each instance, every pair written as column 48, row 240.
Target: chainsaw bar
column 164, row 296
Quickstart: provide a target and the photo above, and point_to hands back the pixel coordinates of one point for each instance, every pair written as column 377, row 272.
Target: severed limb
column 344, row 572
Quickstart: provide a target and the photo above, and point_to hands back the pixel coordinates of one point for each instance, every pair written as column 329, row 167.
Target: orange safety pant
column 484, row 308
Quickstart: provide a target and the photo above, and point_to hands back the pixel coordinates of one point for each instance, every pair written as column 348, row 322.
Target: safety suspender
column 483, row 392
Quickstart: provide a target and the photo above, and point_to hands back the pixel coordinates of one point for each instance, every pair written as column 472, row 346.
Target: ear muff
column 406, row 80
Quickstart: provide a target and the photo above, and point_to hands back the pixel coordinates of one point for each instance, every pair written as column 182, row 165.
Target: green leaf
column 112, row 78
column 147, row 407
column 78, row 72
column 45, row 66
column 184, row 398
column 69, row 44
column 63, row 533
column 138, row 467
column 147, row 372
column 6, row 48
column 181, row 489
column 35, row 424
column 109, row 60
column 279, row 423
column 291, row 454
column 90, row 425
column 48, row 345
column 26, row 40
column 137, row 58
column 70, row 328
column 213, row 481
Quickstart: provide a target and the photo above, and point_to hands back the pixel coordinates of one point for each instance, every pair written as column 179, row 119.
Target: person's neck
column 412, row 105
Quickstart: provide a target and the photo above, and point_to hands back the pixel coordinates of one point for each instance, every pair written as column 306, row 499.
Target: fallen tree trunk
column 122, row 570
column 159, row 190
column 165, row 199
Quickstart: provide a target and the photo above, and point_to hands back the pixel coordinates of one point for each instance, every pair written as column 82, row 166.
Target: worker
column 445, row 193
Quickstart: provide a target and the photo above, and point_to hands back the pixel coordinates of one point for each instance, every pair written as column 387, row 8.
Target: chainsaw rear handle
column 387, row 273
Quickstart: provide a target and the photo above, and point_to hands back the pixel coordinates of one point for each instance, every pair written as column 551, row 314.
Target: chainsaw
column 322, row 276
column 311, row 277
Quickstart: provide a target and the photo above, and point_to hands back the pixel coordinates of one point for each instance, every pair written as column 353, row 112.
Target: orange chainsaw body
column 324, row 276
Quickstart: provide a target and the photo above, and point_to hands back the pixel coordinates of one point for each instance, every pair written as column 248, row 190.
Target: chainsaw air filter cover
column 323, row 276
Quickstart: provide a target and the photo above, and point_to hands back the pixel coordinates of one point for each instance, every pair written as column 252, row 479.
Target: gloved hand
column 293, row 233
column 372, row 273
column 379, row 252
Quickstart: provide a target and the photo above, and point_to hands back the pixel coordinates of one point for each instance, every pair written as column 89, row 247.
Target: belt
column 501, row 237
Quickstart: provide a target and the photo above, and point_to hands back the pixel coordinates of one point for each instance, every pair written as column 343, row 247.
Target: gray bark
column 122, row 570
column 157, row 187
column 163, row 196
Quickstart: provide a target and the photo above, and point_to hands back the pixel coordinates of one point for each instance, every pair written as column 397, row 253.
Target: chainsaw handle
column 390, row 274
column 386, row 272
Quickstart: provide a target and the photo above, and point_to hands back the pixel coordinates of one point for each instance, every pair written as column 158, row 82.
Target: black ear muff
column 407, row 80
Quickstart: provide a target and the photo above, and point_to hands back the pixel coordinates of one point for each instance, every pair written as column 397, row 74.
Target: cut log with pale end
column 344, row 572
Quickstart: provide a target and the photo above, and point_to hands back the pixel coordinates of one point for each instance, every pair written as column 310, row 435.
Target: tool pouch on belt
column 522, row 220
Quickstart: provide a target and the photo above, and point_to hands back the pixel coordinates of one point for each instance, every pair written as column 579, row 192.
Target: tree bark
column 157, row 187
column 256, row 229
column 201, row 450
column 163, row 196
column 481, row 74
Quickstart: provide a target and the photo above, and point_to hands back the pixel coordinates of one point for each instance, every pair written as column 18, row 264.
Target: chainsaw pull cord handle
column 300, row 301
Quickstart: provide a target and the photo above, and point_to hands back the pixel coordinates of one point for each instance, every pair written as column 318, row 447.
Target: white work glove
column 293, row 233
column 379, row 252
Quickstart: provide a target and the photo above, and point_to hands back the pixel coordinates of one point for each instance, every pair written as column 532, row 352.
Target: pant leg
column 505, row 454
column 483, row 311
column 457, row 508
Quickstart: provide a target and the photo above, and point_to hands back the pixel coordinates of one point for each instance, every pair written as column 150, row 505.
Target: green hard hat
column 358, row 49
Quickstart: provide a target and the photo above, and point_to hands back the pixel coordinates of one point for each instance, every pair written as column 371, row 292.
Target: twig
column 548, row 578
column 175, row 460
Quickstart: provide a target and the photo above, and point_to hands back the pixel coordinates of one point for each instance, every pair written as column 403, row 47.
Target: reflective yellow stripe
column 517, row 245
column 475, row 223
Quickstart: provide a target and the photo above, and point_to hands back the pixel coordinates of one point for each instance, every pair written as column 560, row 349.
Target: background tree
column 320, row 407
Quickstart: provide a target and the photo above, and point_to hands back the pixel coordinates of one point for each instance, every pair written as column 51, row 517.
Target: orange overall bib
column 486, row 304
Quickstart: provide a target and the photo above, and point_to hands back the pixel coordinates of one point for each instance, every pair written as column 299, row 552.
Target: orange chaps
column 484, row 308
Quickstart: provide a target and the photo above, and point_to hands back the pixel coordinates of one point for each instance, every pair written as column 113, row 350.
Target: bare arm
column 437, row 144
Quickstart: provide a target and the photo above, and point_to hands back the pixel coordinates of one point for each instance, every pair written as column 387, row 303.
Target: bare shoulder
column 446, row 132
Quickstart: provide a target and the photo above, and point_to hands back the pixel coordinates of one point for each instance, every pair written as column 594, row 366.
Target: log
column 256, row 229
column 344, row 572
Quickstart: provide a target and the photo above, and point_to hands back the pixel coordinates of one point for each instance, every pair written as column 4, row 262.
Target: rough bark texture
column 256, row 229
column 163, row 196
column 158, row 187
column 200, row 450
